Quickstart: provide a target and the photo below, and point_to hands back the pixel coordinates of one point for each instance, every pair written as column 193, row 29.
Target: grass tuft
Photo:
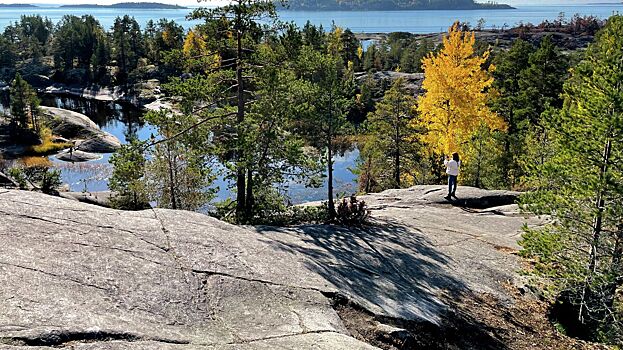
column 47, row 147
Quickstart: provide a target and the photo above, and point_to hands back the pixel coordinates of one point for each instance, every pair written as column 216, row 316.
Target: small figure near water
column 452, row 169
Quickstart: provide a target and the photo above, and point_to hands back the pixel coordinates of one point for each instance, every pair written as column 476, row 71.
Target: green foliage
column 40, row 178
column 8, row 57
column 277, row 214
column 75, row 41
column 484, row 151
column 528, row 84
column 391, row 150
column 178, row 172
column 399, row 51
column 127, row 45
column 541, row 82
column 128, row 177
column 161, row 37
column 24, row 104
column 314, row 36
column 29, row 36
column 580, row 254
column 329, row 90
column 509, row 67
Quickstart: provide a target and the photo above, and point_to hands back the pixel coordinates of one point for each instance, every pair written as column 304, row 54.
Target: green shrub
column 278, row 214
column 39, row 178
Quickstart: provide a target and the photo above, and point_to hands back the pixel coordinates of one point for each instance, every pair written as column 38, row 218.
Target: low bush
column 350, row 211
column 39, row 178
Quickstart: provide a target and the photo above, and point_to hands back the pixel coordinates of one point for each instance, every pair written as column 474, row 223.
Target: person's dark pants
column 452, row 183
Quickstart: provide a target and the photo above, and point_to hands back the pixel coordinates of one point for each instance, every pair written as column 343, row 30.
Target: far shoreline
column 124, row 6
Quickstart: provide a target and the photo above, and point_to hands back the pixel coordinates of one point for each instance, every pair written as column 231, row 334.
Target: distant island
column 391, row 5
column 130, row 5
column 17, row 5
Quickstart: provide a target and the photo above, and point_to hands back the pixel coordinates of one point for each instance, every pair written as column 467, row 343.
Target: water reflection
column 126, row 121
column 122, row 120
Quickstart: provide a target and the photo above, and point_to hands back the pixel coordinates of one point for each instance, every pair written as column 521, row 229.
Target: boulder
column 69, row 124
column 101, row 199
column 77, row 156
column 103, row 142
column 87, row 135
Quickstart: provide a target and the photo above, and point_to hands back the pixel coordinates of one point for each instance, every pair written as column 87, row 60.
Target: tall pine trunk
column 397, row 153
column 171, row 177
column 330, row 159
column 597, row 229
column 241, row 205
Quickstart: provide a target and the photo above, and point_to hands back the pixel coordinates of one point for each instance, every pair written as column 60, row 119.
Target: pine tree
column 24, row 104
column 330, row 94
column 510, row 66
column 128, row 177
column 127, row 45
column 238, row 31
column 580, row 253
column 178, row 172
column 391, row 145
column 454, row 105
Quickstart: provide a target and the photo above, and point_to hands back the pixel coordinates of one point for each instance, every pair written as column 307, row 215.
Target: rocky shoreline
column 138, row 95
column 505, row 38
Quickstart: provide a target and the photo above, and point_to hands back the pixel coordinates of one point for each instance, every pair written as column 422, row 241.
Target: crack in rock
column 54, row 275
column 60, row 338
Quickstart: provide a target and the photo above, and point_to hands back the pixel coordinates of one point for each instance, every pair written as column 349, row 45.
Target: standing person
column 452, row 169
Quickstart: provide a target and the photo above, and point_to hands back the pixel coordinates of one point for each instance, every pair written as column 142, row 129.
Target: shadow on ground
column 389, row 273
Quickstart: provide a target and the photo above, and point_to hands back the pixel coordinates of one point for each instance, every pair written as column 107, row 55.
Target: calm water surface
column 357, row 21
column 125, row 122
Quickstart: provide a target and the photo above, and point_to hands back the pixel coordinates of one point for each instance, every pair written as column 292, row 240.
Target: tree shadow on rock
column 392, row 272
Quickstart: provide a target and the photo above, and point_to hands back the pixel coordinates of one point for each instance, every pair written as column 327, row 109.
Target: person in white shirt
column 452, row 169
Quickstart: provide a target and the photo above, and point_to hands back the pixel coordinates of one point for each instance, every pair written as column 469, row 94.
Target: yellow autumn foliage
column 193, row 44
column 197, row 54
column 335, row 45
column 456, row 92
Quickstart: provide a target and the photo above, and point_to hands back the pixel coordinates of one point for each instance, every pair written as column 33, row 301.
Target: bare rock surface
column 88, row 137
column 101, row 198
column 104, row 142
column 69, row 124
column 77, row 156
column 421, row 250
column 73, row 274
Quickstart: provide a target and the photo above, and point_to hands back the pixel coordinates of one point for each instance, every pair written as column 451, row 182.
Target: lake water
column 125, row 121
column 357, row 21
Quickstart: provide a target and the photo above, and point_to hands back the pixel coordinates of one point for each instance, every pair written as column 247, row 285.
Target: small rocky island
column 16, row 6
column 131, row 5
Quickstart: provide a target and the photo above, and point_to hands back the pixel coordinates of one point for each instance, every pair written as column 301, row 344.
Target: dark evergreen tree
column 579, row 254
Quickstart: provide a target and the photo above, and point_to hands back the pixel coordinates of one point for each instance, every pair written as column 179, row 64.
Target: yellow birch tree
column 456, row 92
